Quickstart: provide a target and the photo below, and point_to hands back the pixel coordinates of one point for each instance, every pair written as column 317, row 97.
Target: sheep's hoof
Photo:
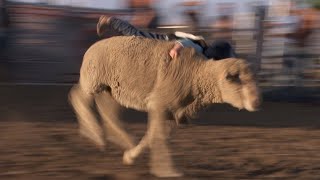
column 166, row 174
column 94, row 138
column 127, row 158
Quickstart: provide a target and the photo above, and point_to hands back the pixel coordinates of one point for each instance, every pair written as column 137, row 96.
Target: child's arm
column 174, row 52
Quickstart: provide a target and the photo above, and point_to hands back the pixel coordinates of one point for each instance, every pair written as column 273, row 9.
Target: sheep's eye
column 233, row 78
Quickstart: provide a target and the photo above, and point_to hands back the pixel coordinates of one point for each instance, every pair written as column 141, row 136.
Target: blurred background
column 43, row 41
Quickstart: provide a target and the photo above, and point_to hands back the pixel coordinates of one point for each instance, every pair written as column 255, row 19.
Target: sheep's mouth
column 251, row 106
column 253, row 110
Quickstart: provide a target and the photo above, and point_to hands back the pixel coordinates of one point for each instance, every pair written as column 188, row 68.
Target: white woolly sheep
column 138, row 73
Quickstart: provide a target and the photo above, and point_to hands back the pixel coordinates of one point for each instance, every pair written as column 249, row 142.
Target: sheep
column 138, row 73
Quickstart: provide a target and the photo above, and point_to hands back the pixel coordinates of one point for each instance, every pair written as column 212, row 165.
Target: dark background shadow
column 281, row 108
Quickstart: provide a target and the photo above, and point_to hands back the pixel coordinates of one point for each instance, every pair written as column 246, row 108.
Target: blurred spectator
column 4, row 24
column 223, row 27
column 145, row 18
column 226, row 8
column 140, row 3
column 308, row 23
column 286, row 23
column 144, row 15
column 294, row 26
column 192, row 11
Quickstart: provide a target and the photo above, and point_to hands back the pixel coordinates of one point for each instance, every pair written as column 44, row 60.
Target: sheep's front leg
column 156, row 139
column 130, row 155
column 160, row 158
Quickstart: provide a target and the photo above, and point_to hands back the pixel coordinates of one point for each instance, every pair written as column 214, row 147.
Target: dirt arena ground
column 39, row 140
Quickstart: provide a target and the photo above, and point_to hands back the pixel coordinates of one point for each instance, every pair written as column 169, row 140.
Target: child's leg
column 125, row 28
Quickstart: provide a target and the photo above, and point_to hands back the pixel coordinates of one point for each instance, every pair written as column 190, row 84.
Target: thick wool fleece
column 139, row 71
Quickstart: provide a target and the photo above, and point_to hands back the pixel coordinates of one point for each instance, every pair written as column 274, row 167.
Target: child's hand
column 174, row 52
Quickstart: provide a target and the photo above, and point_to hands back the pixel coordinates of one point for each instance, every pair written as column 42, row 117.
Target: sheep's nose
column 256, row 104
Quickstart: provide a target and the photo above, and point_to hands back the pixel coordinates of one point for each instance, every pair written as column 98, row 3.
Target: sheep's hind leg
column 88, row 124
column 109, row 110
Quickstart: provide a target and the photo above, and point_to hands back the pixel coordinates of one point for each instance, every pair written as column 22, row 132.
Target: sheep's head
column 237, row 84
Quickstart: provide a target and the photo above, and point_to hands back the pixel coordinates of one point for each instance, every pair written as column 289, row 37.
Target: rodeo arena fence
column 45, row 44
